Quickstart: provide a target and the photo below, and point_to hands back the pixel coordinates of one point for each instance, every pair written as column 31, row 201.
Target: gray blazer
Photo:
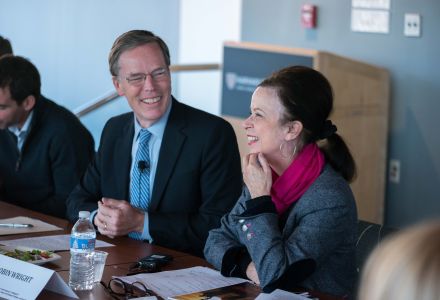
column 319, row 229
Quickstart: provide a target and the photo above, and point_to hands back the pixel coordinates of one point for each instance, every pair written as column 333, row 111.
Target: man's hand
column 252, row 274
column 257, row 174
column 118, row 217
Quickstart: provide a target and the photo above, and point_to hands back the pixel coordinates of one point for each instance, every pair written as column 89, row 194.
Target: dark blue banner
column 244, row 69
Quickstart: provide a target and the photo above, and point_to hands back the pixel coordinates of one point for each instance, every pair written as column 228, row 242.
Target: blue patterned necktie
column 140, row 177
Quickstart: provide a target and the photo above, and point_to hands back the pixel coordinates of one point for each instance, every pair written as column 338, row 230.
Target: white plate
column 53, row 257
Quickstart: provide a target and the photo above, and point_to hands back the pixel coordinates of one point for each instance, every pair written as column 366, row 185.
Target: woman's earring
column 288, row 156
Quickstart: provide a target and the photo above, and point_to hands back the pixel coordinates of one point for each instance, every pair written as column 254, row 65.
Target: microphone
column 143, row 165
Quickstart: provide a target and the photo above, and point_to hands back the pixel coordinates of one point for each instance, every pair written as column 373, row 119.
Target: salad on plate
column 35, row 256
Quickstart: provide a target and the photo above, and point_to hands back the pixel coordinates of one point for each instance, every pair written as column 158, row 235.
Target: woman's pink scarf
column 297, row 178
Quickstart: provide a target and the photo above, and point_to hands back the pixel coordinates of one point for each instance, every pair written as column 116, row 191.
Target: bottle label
column 82, row 244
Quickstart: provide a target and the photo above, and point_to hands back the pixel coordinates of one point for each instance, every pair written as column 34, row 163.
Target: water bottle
column 82, row 245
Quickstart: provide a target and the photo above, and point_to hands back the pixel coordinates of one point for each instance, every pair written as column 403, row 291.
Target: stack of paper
column 184, row 281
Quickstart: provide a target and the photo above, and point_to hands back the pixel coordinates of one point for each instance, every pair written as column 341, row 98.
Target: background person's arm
column 69, row 155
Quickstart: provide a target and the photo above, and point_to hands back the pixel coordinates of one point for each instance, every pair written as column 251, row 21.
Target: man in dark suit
column 189, row 174
column 44, row 148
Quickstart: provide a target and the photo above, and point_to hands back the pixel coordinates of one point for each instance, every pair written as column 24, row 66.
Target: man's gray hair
column 133, row 39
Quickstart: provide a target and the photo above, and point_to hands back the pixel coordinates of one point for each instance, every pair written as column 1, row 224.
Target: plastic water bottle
column 82, row 245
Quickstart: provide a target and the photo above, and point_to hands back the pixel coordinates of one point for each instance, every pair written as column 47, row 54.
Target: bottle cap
column 84, row 214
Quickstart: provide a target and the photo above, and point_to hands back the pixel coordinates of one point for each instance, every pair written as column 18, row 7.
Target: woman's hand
column 257, row 174
column 251, row 273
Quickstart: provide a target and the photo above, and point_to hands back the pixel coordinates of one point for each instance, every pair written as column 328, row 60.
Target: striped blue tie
column 140, row 177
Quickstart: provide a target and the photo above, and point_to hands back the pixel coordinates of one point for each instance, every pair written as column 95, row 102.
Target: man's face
column 11, row 114
column 150, row 95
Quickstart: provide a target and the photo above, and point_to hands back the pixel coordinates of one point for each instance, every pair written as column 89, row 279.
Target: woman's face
column 263, row 129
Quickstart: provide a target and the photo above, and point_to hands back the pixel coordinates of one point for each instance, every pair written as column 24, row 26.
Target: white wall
column 413, row 64
column 69, row 42
column 204, row 26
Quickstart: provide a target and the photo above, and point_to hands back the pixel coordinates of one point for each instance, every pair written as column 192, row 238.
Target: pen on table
column 16, row 225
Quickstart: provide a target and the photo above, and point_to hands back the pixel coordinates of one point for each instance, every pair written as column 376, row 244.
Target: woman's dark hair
column 20, row 76
column 307, row 97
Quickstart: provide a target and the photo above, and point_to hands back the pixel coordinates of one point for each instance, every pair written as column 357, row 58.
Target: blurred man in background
column 44, row 149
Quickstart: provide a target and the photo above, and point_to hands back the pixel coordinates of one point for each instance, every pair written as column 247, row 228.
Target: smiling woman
column 263, row 128
column 295, row 222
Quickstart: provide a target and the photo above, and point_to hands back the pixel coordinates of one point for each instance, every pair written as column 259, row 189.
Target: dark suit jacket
column 198, row 177
column 54, row 156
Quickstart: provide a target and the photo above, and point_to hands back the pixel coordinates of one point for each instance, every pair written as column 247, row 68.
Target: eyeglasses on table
column 119, row 289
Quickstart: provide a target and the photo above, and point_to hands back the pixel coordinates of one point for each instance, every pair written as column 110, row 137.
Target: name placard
column 22, row 280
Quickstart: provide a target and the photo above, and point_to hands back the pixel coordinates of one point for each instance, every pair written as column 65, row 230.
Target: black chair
column 369, row 236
